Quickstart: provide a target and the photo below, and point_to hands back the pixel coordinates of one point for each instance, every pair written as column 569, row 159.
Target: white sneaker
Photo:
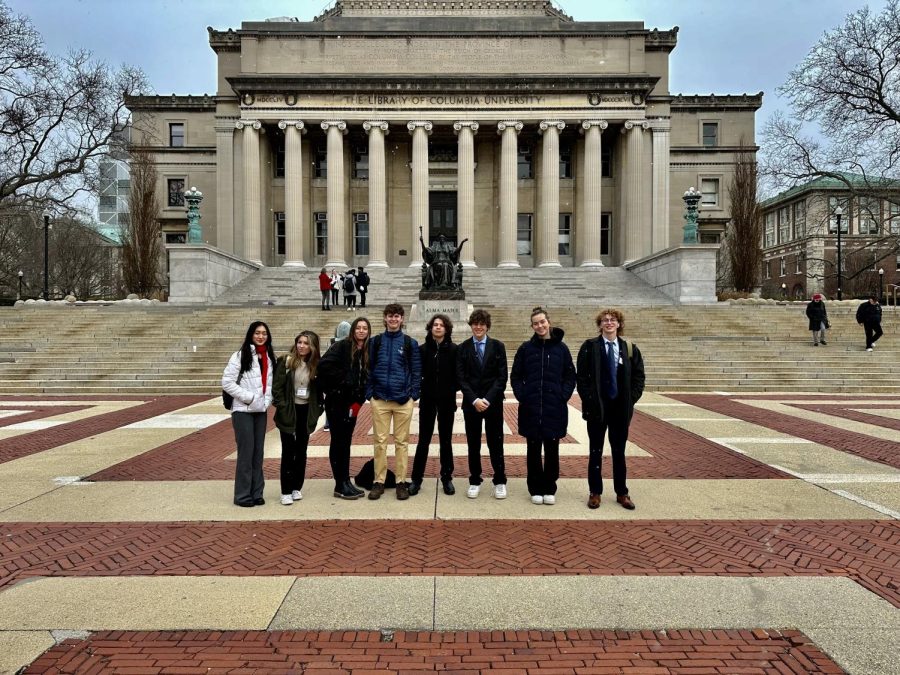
column 500, row 491
column 296, row 495
column 472, row 492
column 550, row 499
column 868, row 349
column 537, row 499
column 287, row 500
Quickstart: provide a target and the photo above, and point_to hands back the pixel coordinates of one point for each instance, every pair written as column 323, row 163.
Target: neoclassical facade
column 542, row 140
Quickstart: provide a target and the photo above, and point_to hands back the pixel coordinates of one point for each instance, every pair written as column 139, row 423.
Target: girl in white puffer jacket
column 248, row 379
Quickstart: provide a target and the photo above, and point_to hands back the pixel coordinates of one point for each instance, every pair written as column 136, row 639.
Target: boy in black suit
column 481, row 371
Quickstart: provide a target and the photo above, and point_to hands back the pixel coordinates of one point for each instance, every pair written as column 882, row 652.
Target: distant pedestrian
column 350, row 290
column 325, row 289
column 868, row 314
column 362, row 285
column 818, row 319
column 335, row 287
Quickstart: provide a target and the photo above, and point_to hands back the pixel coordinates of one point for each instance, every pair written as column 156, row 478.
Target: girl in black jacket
column 543, row 379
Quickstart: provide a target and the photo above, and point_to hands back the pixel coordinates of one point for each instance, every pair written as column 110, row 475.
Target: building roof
column 841, row 180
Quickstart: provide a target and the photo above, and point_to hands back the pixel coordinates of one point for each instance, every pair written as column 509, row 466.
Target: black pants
column 542, row 476
column 351, row 301
column 250, row 435
column 616, row 420
column 293, row 453
column 341, row 427
column 334, row 296
column 493, row 431
column 873, row 332
column 427, row 414
column 362, row 298
column 326, row 296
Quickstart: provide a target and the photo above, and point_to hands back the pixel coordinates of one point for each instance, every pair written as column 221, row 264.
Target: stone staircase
column 166, row 349
column 281, row 286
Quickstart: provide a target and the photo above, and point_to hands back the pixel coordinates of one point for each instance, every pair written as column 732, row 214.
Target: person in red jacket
column 325, row 289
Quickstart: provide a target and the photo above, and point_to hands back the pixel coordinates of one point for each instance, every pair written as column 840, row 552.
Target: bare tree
column 57, row 115
column 744, row 242
column 141, row 242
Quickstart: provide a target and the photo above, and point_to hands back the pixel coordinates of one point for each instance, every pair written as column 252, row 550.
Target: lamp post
column 783, row 290
column 880, row 284
column 193, row 197
column 21, row 274
column 46, row 255
column 691, row 200
column 838, row 212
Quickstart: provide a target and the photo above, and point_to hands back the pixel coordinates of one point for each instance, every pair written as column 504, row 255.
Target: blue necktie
column 612, row 387
column 479, row 349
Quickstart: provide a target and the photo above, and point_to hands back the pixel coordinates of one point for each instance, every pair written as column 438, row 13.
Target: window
column 833, row 204
column 279, row 233
column 176, row 191
column 321, row 233
column 176, row 238
column 443, row 152
column 869, row 214
column 606, row 160
column 798, row 263
column 361, row 233
column 898, row 263
column 710, row 189
column 565, row 161
column 768, row 269
column 784, row 225
column 605, row 222
column 361, row 163
column 783, row 267
column 770, row 229
column 176, row 135
column 800, row 220
column 893, row 214
column 278, row 153
column 525, row 167
column 320, row 163
column 710, row 134
column 523, row 234
column 565, row 234
column 108, row 202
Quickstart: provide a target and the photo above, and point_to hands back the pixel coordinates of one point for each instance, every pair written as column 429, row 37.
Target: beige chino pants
column 383, row 412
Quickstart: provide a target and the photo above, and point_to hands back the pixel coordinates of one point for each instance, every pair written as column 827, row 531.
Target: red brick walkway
column 684, row 652
column 37, row 412
column 867, row 447
column 866, row 551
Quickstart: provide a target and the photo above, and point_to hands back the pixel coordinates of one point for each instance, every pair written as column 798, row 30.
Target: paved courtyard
column 765, row 540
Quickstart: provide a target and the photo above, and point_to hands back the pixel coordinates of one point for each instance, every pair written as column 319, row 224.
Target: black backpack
column 349, row 287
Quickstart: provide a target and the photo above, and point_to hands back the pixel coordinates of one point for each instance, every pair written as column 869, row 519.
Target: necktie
column 612, row 387
column 479, row 349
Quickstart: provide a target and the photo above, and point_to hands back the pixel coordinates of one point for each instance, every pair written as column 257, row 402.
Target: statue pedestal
column 455, row 307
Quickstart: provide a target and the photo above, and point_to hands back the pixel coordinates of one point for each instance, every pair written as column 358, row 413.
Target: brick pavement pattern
column 673, row 652
column 865, row 551
column 38, row 412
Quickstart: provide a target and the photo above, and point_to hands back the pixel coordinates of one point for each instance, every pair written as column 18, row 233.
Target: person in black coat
column 482, row 372
column 868, row 314
column 818, row 319
column 437, row 400
column 362, row 284
column 543, row 379
column 610, row 381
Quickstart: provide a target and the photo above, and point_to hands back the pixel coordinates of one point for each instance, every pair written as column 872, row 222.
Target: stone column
column 225, row 186
column 593, row 205
column 295, row 238
column 465, row 191
column 336, row 191
column 660, row 228
column 636, row 225
column 547, row 247
column 251, row 222
column 509, row 191
column 420, row 131
column 377, row 130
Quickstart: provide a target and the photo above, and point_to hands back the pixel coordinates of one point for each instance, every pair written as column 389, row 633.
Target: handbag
column 228, row 399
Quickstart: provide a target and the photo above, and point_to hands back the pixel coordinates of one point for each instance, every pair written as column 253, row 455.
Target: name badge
column 620, row 361
column 302, row 392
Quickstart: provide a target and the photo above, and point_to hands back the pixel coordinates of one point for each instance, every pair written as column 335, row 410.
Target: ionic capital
column 635, row 124
column 341, row 125
column 297, row 124
column 661, row 125
column 458, row 126
column 509, row 124
column 256, row 125
column 586, row 125
column 419, row 124
column 547, row 124
column 368, row 125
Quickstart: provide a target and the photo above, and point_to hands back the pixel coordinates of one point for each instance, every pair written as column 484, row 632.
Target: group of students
column 332, row 283
column 868, row 315
column 392, row 371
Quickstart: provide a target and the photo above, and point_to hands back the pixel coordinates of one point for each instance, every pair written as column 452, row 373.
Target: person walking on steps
column 868, row 314
column 818, row 319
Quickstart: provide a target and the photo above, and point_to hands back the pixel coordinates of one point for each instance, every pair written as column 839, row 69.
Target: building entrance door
column 442, row 215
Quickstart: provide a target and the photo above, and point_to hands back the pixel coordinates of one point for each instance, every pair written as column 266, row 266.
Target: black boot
column 414, row 487
column 448, row 486
column 350, row 486
column 345, row 491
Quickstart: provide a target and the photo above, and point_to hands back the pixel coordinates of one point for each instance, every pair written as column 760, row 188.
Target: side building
column 800, row 238
column 542, row 140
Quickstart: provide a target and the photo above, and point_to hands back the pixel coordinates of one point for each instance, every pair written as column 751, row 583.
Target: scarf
column 263, row 354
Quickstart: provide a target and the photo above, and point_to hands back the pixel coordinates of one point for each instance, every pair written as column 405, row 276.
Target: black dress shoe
column 350, row 486
column 245, row 505
column 414, row 488
column 448, row 487
column 259, row 502
column 346, row 491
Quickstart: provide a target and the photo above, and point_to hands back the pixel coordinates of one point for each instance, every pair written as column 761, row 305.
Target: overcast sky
column 724, row 46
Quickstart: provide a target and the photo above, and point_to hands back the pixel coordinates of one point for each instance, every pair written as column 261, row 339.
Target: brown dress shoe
column 626, row 502
column 376, row 491
column 402, row 491
column 594, row 501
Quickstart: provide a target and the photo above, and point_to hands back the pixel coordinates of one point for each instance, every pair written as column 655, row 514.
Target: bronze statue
column 441, row 269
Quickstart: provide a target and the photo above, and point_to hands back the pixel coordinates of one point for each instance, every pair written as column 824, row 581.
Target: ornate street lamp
column 880, row 284
column 691, row 200
column 46, row 255
column 783, row 290
column 193, row 197
column 838, row 212
column 21, row 274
